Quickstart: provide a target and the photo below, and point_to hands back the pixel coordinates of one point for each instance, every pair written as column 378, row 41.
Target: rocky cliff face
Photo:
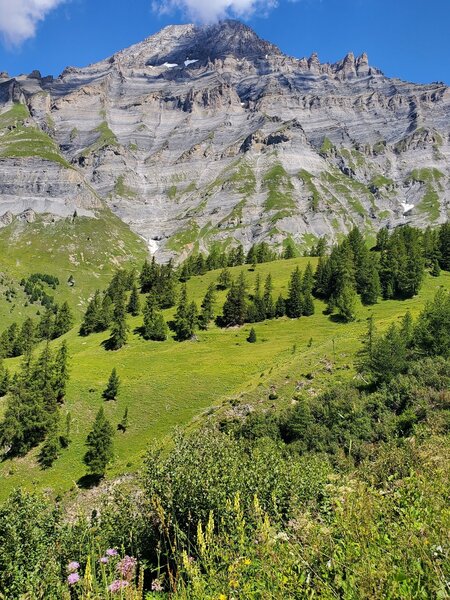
column 203, row 135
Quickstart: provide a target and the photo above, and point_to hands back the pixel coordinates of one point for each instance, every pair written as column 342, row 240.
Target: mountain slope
column 210, row 134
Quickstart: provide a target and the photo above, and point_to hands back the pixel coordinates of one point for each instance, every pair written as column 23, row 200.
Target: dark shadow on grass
column 87, row 482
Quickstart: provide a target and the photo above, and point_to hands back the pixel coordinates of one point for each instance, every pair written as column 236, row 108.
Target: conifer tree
column 252, row 336
column 51, row 447
column 133, row 306
column 308, row 304
column 112, row 388
column 93, row 316
column 4, row 379
column 269, row 306
column 388, row 357
column 106, row 313
column 119, row 329
column 46, row 325
column 346, row 304
column 289, row 250
column 308, row 280
column 65, row 437
column 435, row 268
column 364, row 355
column 224, row 280
column 370, row 287
column 63, row 321
column 444, row 246
column 407, row 329
column 99, row 444
column 185, row 320
column 60, row 372
column 280, row 307
column 294, row 302
column 382, row 239
column 235, row 306
column 26, row 338
column 154, row 327
column 258, row 306
column 207, row 308
column 165, row 287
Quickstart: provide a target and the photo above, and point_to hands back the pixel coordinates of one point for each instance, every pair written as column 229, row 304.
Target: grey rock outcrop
column 209, row 134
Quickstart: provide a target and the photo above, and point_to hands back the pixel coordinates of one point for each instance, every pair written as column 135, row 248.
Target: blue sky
column 405, row 38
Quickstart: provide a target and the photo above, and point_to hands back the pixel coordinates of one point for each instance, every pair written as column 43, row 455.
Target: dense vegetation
column 326, row 488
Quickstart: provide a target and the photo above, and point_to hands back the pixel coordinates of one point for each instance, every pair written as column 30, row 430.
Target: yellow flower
column 222, row 597
column 234, row 583
column 247, row 562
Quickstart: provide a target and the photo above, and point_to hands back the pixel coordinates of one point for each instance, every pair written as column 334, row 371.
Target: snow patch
column 190, row 62
column 406, row 207
column 170, row 65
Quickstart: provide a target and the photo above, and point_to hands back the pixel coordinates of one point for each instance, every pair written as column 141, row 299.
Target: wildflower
column 73, row 578
column 73, row 566
column 222, row 597
column 157, row 586
column 111, row 552
column 126, row 567
column 104, row 560
column 118, row 585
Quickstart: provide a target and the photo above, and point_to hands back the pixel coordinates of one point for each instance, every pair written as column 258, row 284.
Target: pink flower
column 104, row 560
column 73, row 578
column 127, row 567
column 118, row 585
column 73, row 566
column 111, row 552
column 157, row 586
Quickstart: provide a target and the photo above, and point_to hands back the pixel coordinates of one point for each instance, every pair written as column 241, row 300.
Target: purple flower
column 73, row 578
column 126, row 567
column 118, row 585
column 104, row 560
column 73, row 566
column 111, row 552
column 157, row 586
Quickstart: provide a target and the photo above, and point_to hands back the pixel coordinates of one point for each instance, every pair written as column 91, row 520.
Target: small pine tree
column 133, row 306
column 435, row 269
column 207, row 308
column 346, row 304
column 112, row 389
column 294, row 302
column 308, row 304
column 224, row 280
column 154, row 327
column 119, row 330
column 51, row 447
column 184, row 317
column 280, row 307
column 63, row 321
column 289, row 250
column 99, row 444
column 60, row 372
column 252, row 336
column 64, row 438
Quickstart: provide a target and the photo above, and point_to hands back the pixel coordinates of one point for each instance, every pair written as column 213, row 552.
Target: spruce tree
column 435, row 268
column 63, row 321
column 224, row 280
column 4, row 379
column 154, row 327
column 346, row 304
column 252, row 336
column 294, row 302
column 93, row 316
column 308, row 280
column 65, row 437
column 207, row 308
column 369, row 278
column 269, row 305
column 60, row 372
column 235, row 306
column 26, row 338
column 133, row 306
column 289, row 250
column 46, row 325
column 280, row 307
column 112, row 388
column 51, row 447
column 119, row 329
column 185, row 319
column 258, row 308
column 106, row 313
column 444, row 246
column 308, row 304
column 99, row 444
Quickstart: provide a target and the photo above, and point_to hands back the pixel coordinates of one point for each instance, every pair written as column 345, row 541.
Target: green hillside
column 169, row 384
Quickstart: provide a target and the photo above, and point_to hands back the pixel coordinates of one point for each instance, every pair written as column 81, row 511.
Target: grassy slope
column 89, row 249
column 167, row 384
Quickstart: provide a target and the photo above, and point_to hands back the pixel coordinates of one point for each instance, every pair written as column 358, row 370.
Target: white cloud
column 19, row 18
column 209, row 11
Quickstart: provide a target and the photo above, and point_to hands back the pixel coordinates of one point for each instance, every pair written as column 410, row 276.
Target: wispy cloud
column 209, row 11
column 19, row 18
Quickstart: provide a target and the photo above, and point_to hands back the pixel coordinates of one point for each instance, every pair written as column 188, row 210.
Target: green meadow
column 170, row 384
